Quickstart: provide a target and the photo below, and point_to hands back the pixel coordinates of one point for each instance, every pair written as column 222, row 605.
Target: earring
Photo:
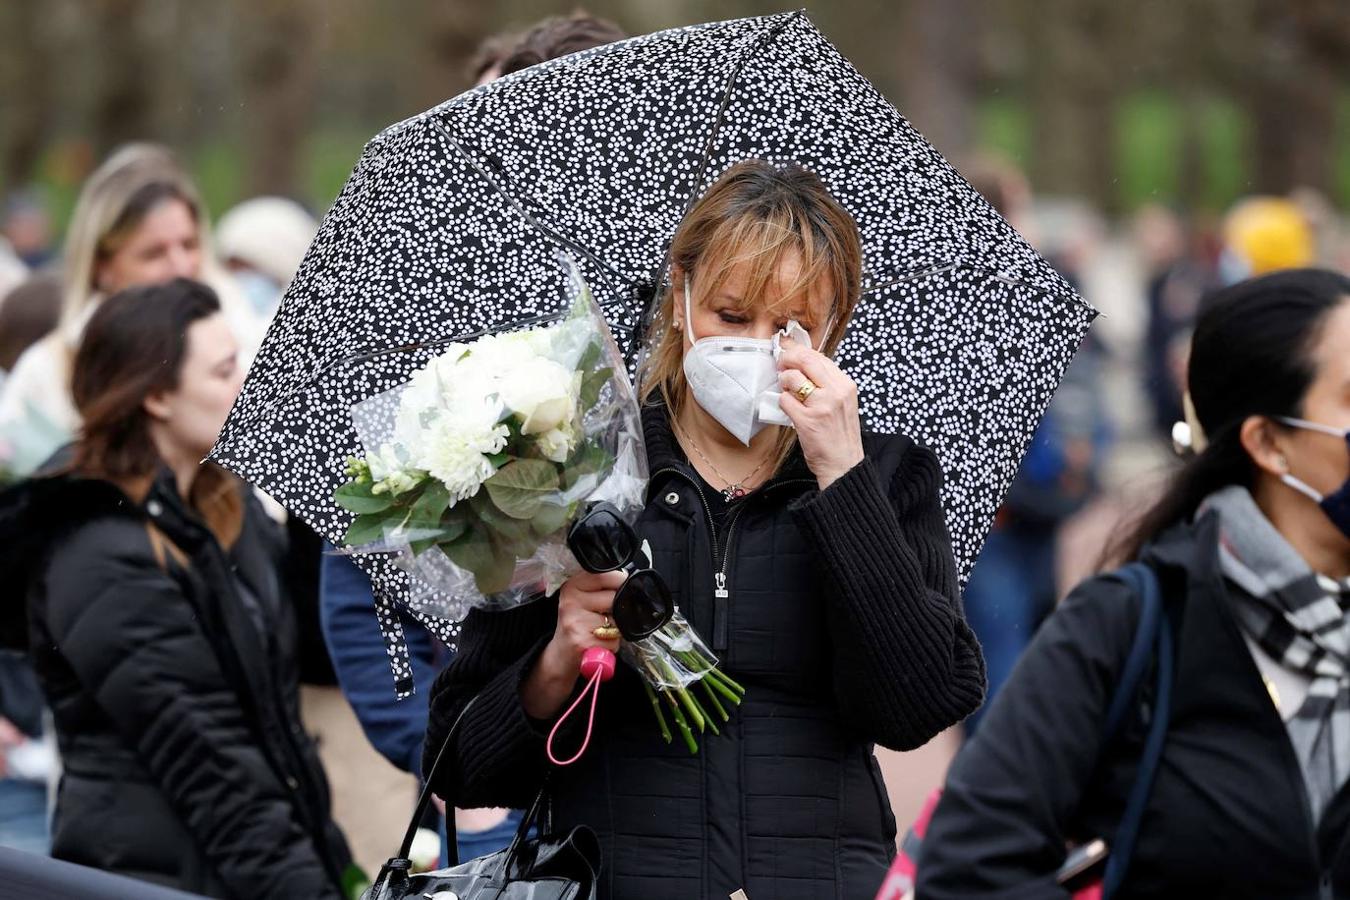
column 1283, row 462
column 676, row 326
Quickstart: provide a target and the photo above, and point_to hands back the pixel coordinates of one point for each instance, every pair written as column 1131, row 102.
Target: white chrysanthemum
column 454, row 448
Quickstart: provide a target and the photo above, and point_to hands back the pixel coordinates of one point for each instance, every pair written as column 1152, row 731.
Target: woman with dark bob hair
column 814, row 559
column 1250, row 546
column 157, row 624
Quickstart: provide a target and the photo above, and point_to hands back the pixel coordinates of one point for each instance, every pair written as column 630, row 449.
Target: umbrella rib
column 547, row 231
column 711, row 143
column 995, row 274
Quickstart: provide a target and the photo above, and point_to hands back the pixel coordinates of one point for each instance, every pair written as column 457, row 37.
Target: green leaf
column 550, row 519
column 355, row 496
column 492, row 569
column 590, row 357
column 496, row 521
column 499, row 459
column 366, row 529
column 590, row 459
column 592, row 385
column 520, row 487
column 430, row 505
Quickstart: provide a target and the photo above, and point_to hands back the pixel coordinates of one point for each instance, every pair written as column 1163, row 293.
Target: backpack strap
column 1152, row 641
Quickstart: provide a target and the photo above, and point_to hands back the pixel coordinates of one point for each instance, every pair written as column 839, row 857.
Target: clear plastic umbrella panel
column 450, row 224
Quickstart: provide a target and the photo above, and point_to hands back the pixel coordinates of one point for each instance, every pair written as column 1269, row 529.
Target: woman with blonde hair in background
column 138, row 221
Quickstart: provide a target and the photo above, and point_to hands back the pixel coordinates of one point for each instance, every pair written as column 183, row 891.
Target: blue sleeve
column 396, row 728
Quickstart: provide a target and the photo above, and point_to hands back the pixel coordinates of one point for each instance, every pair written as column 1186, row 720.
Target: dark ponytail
column 1251, row 355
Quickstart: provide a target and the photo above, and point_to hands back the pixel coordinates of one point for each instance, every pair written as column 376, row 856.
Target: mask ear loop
column 1302, row 487
column 1299, row 484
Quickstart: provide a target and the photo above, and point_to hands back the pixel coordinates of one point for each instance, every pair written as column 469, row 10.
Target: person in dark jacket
column 1251, row 548
column 157, row 625
column 815, row 561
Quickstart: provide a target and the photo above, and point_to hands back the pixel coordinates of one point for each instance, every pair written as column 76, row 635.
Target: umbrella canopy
column 451, row 220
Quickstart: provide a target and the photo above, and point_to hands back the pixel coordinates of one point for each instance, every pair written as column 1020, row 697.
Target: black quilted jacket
column 173, row 693
column 844, row 624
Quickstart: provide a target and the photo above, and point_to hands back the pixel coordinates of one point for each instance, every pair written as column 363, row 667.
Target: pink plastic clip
column 597, row 665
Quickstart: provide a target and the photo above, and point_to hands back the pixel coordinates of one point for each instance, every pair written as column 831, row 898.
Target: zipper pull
column 721, row 613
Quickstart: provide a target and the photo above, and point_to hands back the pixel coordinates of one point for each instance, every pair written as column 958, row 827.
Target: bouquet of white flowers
column 475, row 467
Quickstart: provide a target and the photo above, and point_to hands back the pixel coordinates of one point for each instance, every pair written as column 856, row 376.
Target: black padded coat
column 842, row 621
column 172, row 685
column 1227, row 815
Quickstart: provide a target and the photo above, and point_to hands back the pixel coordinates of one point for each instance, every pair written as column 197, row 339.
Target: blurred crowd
column 1102, row 448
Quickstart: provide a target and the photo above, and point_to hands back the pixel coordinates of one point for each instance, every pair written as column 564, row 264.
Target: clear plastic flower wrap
column 475, row 467
column 674, row 657
column 683, row 681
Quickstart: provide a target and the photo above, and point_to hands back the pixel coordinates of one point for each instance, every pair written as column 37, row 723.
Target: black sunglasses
column 602, row 541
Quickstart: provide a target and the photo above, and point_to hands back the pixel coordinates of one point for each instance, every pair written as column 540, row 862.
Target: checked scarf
column 1299, row 618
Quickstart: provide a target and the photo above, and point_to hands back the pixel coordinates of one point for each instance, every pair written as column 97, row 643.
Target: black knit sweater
column 844, row 623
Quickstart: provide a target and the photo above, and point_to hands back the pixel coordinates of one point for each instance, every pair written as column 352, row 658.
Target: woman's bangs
column 760, row 249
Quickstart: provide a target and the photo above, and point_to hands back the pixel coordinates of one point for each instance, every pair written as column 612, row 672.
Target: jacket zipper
column 722, row 561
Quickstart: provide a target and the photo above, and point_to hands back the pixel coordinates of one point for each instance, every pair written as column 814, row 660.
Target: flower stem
column 656, row 708
column 695, row 713
column 721, row 688
column 712, row 697
column 681, row 722
column 727, row 680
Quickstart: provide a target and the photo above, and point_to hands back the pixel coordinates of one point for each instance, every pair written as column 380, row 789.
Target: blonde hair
column 756, row 215
column 112, row 203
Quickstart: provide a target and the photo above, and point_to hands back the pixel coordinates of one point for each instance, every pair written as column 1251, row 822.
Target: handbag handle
column 424, row 801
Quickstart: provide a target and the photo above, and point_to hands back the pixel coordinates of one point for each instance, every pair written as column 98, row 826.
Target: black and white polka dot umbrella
column 450, row 222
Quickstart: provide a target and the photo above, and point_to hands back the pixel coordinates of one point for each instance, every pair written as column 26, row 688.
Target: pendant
column 733, row 492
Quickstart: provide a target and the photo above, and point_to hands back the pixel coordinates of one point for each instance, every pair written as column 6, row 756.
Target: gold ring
column 806, row 390
column 606, row 633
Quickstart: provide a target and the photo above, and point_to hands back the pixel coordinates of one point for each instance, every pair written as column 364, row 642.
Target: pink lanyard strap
column 598, row 664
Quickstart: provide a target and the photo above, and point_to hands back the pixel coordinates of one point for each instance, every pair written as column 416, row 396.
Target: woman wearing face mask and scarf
column 813, row 558
column 1251, row 548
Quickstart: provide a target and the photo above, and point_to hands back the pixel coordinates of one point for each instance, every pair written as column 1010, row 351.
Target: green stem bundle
column 662, row 681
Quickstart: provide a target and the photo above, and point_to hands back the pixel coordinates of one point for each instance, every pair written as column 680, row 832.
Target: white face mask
column 735, row 379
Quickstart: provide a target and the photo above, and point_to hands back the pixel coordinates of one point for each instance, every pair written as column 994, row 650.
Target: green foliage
column 520, row 487
column 1148, row 148
column 356, row 496
column 592, row 385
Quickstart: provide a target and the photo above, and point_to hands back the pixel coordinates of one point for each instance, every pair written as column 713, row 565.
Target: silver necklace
column 734, row 490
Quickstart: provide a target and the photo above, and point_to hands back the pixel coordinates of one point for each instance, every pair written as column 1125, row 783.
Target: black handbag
column 553, row 867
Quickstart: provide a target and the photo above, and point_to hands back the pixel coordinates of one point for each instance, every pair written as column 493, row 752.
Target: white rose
column 496, row 354
column 541, row 394
column 556, row 444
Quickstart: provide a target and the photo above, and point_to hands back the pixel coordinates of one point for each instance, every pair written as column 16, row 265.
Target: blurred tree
column 122, row 34
column 26, row 83
column 1074, row 83
column 1293, row 89
column 449, row 34
column 278, row 55
column 935, row 67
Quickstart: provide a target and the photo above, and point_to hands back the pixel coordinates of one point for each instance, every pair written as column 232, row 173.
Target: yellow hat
column 1269, row 233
